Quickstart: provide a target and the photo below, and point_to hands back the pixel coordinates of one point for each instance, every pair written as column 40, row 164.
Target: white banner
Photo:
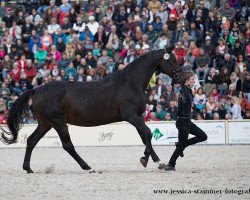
column 167, row 134
column 116, row 134
column 239, row 132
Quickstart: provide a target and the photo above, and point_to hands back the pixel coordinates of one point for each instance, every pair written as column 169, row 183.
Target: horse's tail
column 15, row 117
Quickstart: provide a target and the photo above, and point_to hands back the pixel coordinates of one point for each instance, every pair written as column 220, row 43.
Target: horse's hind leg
column 69, row 147
column 32, row 141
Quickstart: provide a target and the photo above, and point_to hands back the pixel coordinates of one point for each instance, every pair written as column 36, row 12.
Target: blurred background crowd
column 86, row 40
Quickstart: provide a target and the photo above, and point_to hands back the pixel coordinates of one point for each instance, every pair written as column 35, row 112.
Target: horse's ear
column 170, row 48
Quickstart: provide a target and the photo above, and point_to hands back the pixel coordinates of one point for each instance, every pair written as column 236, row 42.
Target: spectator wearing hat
column 109, row 14
column 172, row 22
column 93, row 25
column 8, row 18
column 14, row 52
column 208, row 47
column 86, row 33
column 40, row 54
column 34, row 40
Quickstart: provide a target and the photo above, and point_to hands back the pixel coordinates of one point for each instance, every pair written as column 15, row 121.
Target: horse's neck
column 143, row 71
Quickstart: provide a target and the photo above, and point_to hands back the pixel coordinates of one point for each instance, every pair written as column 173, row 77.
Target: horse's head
column 169, row 64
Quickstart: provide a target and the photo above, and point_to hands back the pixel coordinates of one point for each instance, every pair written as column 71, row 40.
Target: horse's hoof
column 30, row 171
column 162, row 166
column 87, row 168
column 92, row 171
column 144, row 162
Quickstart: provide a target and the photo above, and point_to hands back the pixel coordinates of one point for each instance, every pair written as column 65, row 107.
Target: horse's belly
column 92, row 118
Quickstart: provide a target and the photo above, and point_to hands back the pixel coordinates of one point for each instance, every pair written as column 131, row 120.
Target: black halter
column 175, row 72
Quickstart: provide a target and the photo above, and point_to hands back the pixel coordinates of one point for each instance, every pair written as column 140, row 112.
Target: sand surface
column 119, row 175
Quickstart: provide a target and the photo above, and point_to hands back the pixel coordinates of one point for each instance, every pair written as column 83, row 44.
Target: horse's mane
column 131, row 66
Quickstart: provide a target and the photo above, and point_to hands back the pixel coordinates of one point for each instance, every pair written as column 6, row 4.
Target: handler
column 184, row 123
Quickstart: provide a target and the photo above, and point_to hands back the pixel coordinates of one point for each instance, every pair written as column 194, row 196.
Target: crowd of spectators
column 86, row 40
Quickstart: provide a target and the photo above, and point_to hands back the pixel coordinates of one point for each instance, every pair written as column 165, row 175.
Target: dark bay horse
column 118, row 97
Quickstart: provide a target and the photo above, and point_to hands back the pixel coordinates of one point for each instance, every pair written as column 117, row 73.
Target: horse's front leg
column 146, row 136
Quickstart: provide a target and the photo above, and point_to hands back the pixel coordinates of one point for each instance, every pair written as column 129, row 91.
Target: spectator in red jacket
column 180, row 51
